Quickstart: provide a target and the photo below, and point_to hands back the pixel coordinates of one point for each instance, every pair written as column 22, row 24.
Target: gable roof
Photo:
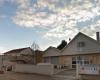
column 14, row 51
column 51, row 51
column 80, row 33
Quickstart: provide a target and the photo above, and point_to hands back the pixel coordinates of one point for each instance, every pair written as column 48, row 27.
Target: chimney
column 98, row 36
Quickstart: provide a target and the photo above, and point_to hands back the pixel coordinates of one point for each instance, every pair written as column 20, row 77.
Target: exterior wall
column 13, row 54
column 67, row 60
column 91, row 46
column 46, row 60
column 9, row 57
column 93, row 58
column 54, row 60
column 38, row 69
column 51, row 55
column 96, row 58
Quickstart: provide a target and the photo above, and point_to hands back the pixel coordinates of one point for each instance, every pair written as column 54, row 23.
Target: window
column 80, row 44
column 74, row 58
column 79, row 57
column 82, row 60
column 73, row 62
column 86, row 62
column 73, row 66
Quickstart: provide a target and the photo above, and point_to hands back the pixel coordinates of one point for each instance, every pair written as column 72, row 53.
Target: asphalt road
column 64, row 75
column 21, row 76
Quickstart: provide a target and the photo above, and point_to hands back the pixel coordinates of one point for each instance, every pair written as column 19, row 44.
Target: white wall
column 38, row 69
column 89, row 69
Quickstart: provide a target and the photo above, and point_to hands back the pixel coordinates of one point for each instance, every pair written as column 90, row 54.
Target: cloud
column 2, row 50
column 32, row 19
column 61, row 17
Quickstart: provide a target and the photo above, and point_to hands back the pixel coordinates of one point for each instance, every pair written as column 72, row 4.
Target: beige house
column 81, row 49
column 51, row 55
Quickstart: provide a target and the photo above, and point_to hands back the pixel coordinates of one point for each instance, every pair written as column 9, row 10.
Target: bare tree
column 34, row 47
column 62, row 45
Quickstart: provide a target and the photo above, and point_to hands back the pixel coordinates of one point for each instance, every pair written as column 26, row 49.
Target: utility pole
column 2, row 63
column 77, row 68
column 77, row 61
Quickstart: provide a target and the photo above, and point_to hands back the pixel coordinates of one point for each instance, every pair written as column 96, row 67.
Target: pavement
column 22, row 76
column 65, row 75
column 67, row 72
column 61, row 75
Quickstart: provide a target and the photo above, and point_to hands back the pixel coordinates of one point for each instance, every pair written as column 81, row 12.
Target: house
column 17, row 52
column 82, row 49
column 51, row 55
column 24, row 55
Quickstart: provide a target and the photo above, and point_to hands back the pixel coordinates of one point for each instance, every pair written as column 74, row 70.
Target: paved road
column 68, row 72
column 20, row 76
column 64, row 75
column 61, row 77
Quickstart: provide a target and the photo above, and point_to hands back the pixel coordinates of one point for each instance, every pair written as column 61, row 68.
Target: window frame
column 81, row 44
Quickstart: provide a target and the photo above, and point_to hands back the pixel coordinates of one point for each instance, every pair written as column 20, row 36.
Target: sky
column 46, row 22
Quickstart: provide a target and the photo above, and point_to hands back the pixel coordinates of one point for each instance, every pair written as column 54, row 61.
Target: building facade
column 81, row 49
column 51, row 55
column 24, row 55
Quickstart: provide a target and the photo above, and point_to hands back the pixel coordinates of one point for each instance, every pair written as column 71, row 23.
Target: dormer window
column 81, row 44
